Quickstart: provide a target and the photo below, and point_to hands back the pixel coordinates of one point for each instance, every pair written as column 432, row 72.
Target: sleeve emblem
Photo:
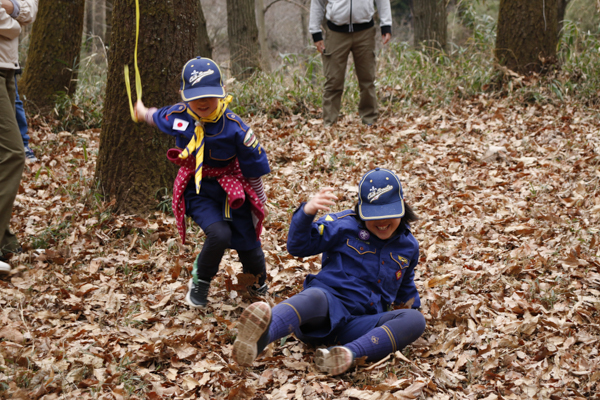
column 321, row 229
column 250, row 139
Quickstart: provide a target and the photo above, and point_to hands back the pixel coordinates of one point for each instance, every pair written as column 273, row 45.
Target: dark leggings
column 218, row 238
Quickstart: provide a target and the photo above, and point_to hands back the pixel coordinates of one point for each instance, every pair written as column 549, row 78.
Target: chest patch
column 398, row 274
column 180, row 124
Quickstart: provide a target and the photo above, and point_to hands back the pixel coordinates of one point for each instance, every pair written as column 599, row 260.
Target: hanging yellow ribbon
column 138, row 79
column 197, row 142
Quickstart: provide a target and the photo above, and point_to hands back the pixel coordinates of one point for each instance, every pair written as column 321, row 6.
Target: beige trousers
column 338, row 46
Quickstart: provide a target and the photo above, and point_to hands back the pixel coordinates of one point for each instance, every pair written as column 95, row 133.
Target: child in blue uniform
column 219, row 183
column 368, row 261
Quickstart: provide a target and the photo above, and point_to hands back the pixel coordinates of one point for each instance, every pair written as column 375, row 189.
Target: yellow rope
column 138, row 79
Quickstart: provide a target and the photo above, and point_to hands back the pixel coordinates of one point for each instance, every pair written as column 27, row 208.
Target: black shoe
column 253, row 333
column 197, row 295
column 257, row 291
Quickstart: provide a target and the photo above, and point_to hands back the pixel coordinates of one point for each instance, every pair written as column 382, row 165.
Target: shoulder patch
column 250, row 139
column 328, row 218
column 235, row 118
column 176, row 109
column 346, row 213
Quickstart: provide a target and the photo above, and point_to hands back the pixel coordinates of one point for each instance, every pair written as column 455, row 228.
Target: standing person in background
column 13, row 14
column 349, row 28
column 22, row 122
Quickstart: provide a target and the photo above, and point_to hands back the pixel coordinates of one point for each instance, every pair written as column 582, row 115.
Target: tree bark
column 430, row 23
column 53, row 55
column 527, row 35
column 204, row 45
column 107, row 30
column 562, row 9
column 131, row 164
column 243, row 38
column 262, row 35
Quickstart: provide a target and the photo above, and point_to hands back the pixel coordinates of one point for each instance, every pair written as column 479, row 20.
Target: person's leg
column 335, row 60
column 363, row 53
column 12, row 156
column 395, row 330
column 23, row 128
column 206, row 266
column 259, row 325
column 253, row 262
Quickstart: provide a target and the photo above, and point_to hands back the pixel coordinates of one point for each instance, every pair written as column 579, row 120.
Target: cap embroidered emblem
column 196, row 76
column 376, row 193
column 364, row 234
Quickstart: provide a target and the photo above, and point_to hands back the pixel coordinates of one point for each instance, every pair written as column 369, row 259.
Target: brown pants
column 338, row 46
column 12, row 156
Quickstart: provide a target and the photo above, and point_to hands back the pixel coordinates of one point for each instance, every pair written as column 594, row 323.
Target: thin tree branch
column 289, row 1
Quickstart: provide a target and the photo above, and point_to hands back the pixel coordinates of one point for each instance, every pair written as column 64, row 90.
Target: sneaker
column 197, row 295
column 4, row 266
column 258, row 291
column 29, row 156
column 335, row 360
column 253, row 333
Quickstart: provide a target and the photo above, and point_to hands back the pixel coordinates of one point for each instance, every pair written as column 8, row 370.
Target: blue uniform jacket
column 366, row 274
column 224, row 140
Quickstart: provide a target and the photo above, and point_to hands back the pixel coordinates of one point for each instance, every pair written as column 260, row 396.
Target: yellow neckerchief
column 197, row 142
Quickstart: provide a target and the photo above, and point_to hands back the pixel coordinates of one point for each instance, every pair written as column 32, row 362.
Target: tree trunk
column 562, row 9
column 243, row 38
column 99, row 26
column 527, row 34
column 430, row 24
column 262, row 36
column 132, row 165
column 304, row 19
column 107, row 30
column 204, row 46
column 53, row 55
column 94, row 28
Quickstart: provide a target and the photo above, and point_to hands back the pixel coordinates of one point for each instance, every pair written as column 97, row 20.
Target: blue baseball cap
column 201, row 77
column 380, row 195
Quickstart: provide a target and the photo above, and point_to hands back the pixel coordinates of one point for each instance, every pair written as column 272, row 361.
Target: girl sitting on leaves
column 368, row 259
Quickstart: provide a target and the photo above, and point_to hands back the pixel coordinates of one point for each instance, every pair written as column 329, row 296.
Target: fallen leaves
column 509, row 274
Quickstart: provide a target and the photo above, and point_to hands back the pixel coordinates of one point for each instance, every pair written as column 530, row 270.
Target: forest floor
column 509, row 275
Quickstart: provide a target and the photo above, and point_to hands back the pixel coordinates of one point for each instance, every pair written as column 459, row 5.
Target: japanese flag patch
column 180, row 124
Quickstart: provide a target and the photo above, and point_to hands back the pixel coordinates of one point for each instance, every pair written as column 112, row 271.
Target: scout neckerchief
column 197, row 142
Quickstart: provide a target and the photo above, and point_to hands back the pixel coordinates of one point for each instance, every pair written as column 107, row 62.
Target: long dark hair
column 409, row 215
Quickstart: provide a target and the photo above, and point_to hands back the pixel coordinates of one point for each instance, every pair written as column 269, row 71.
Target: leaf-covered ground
column 509, row 200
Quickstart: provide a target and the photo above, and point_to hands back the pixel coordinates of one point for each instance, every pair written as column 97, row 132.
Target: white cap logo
column 376, row 193
column 197, row 76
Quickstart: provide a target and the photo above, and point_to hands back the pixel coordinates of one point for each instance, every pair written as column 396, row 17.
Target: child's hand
column 320, row 201
column 140, row 111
